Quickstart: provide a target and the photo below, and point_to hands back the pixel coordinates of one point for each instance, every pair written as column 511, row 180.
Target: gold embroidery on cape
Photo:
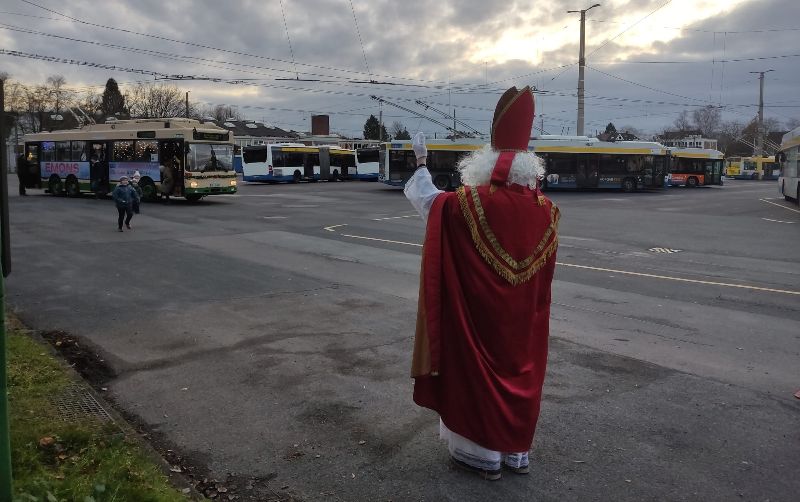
column 513, row 271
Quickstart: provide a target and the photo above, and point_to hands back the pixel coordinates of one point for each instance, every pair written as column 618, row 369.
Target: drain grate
column 664, row 250
column 75, row 403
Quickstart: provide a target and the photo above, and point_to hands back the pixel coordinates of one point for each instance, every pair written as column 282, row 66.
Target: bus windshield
column 204, row 157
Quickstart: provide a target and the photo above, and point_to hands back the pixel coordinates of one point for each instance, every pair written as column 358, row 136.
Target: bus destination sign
column 210, row 136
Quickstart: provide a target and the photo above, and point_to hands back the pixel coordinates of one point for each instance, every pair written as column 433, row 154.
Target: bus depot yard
column 264, row 338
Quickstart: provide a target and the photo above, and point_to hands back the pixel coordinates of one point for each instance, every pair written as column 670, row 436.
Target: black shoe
column 127, row 226
column 525, row 469
column 483, row 473
column 120, row 229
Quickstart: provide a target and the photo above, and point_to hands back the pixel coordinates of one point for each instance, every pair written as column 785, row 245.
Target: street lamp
column 581, row 64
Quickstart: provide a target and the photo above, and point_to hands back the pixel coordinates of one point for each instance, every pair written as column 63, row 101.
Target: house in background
column 686, row 139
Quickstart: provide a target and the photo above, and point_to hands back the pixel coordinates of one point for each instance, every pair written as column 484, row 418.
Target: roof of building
column 252, row 128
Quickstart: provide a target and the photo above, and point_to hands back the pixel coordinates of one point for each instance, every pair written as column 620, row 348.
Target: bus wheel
column 149, row 192
column 691, row 182
column 55, row 185
column 193, row 197
column 72, row 187
column 296, row 177
column 628, row 185
column 442, row 182
column 335, row 175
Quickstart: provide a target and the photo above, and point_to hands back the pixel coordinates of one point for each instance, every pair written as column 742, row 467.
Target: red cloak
column 483, row 322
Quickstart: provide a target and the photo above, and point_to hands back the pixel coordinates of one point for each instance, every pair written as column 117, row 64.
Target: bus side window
column 33, row 153
column 144, row 149
column 123, row 151
column 63, row 151
column 78, row 151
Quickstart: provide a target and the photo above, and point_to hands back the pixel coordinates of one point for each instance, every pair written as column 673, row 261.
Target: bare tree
column 707, row 120
column 399, row 131
column 222, row 113
column 156, row 101
column 729, row 133
column 771, row 124
column 792, row 123
column 682, row 122
column 59, row 97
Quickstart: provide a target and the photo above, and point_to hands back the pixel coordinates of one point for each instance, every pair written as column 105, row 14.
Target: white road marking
column 600, row 269
column 394, row 217
column 330, row 228
column 274, row 217
column 777, row 221
column 779, row 205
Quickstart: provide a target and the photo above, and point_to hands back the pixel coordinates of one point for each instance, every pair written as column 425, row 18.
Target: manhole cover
column 75, row 403
column 664, row 250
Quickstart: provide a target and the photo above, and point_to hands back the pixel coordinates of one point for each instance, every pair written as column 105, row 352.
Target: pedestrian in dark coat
column 124, row 197
column 22, row 173
column 135, row 185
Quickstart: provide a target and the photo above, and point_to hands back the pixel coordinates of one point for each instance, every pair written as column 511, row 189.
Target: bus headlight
column 193, row 184
column 233, row 183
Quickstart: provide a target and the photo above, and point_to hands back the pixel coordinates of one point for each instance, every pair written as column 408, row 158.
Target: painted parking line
column 601, row 269
column 396, row 217
column 780, row 205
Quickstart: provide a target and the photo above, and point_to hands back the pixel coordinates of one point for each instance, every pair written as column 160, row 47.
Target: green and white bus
column 174, row 156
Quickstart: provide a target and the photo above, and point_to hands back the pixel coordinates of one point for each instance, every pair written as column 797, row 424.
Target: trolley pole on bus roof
column 5, row 436
column 581, row 64
column 760, row 134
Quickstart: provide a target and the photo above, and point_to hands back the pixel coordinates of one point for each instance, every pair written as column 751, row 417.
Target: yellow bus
column 752, row 168
column 571, row 162
column 174, row 156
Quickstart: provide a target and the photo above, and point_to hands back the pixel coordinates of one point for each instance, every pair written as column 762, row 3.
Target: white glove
column 418, row 144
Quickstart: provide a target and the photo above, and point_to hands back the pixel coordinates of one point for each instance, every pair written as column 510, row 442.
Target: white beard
column 476, row 168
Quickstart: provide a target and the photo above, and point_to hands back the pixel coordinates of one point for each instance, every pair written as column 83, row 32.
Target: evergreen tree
column 113, row 100
column 374, row 130
column 610, row 129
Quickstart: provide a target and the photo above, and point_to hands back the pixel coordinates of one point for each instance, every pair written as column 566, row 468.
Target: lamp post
column 581, row 64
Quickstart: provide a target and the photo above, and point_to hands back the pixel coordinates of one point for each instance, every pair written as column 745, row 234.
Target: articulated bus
column 752, row 168
column 179, row 157
column 789, row 158
column 571, row 162
column 691, row 167
column 295, row 162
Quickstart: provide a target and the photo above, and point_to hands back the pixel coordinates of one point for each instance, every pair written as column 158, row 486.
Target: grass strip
column 56, row 460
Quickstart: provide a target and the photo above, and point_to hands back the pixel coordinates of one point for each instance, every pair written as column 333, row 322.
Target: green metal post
column 5, row 436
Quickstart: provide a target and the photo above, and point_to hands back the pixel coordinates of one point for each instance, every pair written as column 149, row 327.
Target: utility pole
column 581, row 64
column 187, row 104
column 760, row 134
column 5, row 436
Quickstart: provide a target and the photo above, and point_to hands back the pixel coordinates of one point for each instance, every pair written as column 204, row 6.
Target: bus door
column 98, row 167
column 587, row 175
column 324, row 164
column 171, row 163
column 32, row 174
column 711, row 172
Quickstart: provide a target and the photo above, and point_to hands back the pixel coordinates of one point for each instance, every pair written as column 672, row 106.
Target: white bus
column 367, row 162
column 789, row 159
column 174, row 156
column 294, row 162
column 571, row 162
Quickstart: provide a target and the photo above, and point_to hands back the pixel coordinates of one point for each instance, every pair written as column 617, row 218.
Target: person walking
column 135, row 184
column 124, row 196
column 480, row 348
column 22, row 173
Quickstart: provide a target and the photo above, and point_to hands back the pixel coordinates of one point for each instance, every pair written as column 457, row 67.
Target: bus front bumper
column 210, row 190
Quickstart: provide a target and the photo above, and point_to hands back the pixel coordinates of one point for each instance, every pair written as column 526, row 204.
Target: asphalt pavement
column 267, row 336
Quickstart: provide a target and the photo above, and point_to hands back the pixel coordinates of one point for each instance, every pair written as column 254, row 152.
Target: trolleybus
column 752, row 168
column 789, row 158
column 692, row 167
column 367, row 162
column 571, row 162
column 294, row 162
column 175, row 156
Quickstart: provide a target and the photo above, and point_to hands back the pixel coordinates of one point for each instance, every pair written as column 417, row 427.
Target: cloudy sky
column 646, row 59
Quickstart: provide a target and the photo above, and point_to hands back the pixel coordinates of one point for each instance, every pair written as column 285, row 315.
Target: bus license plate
column 215, row 183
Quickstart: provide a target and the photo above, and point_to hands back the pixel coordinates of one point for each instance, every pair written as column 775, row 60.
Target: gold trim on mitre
column 506, row 103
